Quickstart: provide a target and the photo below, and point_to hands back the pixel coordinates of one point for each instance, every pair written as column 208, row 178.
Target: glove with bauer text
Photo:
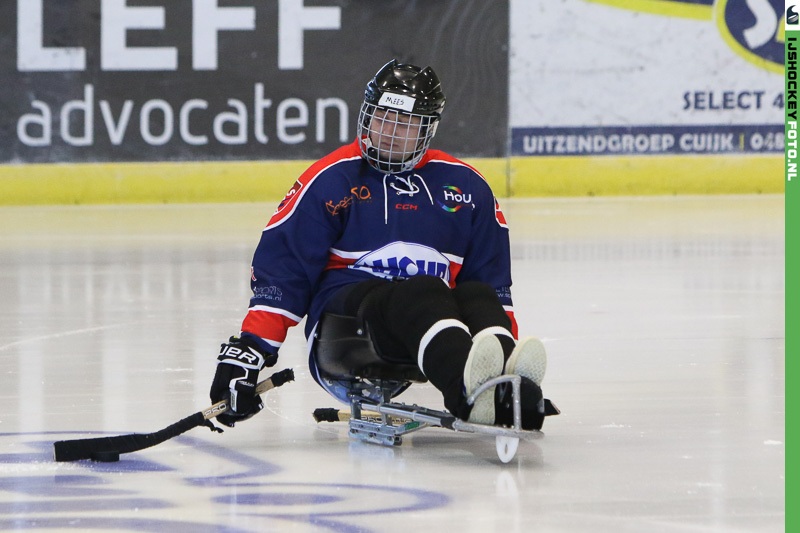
column 239, row 361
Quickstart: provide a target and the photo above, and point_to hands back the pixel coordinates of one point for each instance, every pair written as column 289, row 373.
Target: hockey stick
column 331, row 414
column 107, row 449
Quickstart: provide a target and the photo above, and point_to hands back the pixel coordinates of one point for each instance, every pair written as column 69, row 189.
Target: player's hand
column 239, row 361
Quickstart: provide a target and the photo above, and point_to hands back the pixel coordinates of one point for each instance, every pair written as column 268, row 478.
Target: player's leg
column 418, row 320
column 484, row 315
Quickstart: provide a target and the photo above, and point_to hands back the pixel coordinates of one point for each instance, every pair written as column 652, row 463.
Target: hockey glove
column 240, row 360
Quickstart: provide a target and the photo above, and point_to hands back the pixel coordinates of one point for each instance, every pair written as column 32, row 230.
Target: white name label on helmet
column 397, row 101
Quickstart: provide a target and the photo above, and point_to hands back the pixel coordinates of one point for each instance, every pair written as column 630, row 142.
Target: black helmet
column 398, row 78
column 408, row 101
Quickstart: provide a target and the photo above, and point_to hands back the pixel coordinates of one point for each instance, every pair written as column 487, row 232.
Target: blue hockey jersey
column 344, row 221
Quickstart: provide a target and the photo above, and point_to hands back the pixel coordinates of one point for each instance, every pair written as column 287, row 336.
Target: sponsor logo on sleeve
column 291, row 195
column 498, row 214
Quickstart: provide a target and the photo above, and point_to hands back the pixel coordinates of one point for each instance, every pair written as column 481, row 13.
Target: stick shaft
column 222, row 406
column 335, row 415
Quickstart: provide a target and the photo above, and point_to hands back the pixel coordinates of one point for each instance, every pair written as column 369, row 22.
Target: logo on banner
column 753, row 30
column 792, row 17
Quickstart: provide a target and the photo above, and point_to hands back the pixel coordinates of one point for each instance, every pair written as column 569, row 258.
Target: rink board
column 183, row 182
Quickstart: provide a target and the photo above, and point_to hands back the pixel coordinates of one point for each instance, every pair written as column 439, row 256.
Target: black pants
column 423, row 312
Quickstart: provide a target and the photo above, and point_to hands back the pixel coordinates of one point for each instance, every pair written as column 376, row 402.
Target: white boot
column 528, row 360
column 485, row 362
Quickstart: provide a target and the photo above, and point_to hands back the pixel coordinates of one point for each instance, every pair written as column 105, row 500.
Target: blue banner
column 647, row 140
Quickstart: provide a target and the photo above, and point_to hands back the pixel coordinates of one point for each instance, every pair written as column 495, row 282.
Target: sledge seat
column 345, row 351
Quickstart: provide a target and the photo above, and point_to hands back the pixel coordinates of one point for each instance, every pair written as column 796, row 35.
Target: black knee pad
column 480, row 306
column 475, row 290
column 349, row 299
column 401, row 312
column 424, row 299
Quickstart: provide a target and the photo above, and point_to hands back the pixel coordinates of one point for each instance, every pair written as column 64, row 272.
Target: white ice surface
column 663, row 319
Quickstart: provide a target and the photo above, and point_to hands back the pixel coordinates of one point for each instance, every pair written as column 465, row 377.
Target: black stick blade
column 104, row 448
column 107, row 449
column 326, row 414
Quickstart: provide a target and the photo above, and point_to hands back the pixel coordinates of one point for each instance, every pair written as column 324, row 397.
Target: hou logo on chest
column 404, row 260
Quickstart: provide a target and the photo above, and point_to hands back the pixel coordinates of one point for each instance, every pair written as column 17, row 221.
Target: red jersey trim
column 514, row 326
column 289, row 203
column 269, row 326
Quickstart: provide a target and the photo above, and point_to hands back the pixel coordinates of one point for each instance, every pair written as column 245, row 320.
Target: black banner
column 171, row 80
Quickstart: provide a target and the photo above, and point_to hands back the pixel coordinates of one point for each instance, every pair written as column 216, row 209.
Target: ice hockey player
column 408, row 239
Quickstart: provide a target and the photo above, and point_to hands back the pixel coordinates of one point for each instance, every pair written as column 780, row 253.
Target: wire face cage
column 394, row 141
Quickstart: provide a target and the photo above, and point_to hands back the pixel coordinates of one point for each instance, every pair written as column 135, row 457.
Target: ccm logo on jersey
column 403, row 260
